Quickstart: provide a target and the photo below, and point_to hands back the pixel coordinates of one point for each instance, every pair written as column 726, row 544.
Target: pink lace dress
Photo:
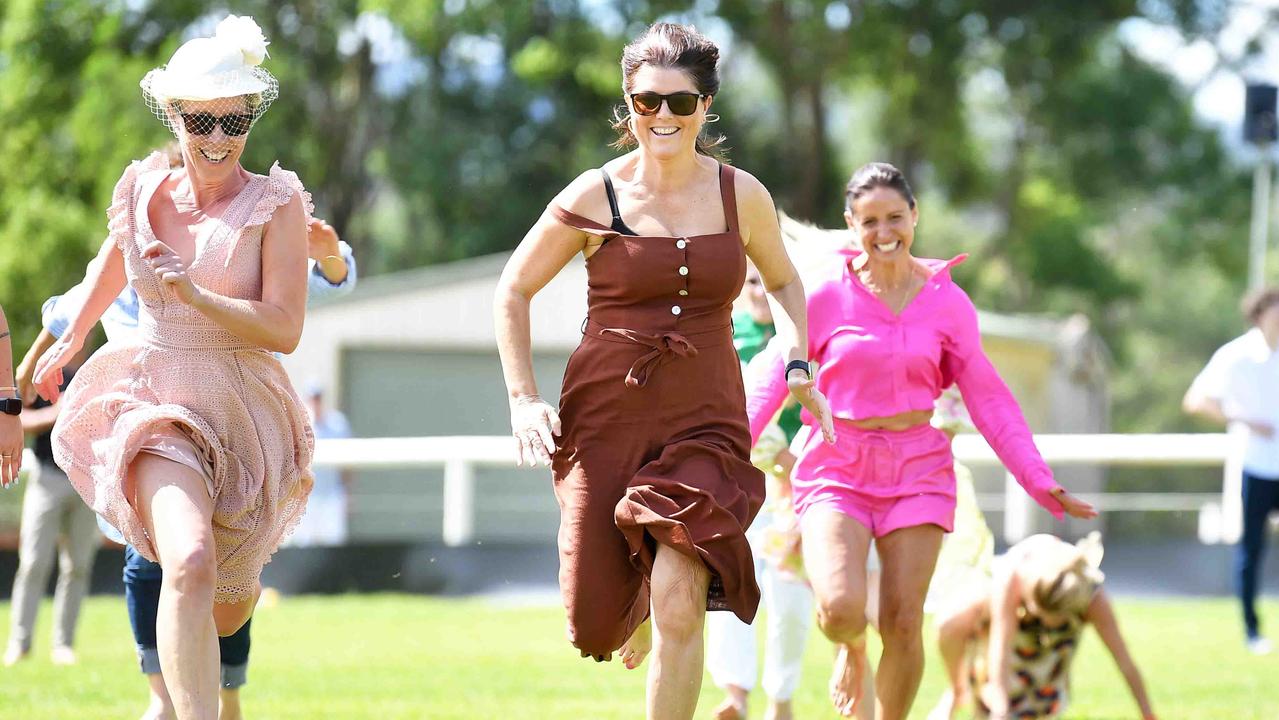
column 185, row 386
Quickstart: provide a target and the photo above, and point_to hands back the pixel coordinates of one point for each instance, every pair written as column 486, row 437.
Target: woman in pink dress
column 189, row 438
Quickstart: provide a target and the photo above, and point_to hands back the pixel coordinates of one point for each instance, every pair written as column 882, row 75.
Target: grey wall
column 397, row 392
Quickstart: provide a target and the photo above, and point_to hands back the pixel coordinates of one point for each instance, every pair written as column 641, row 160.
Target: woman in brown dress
column 652, row 468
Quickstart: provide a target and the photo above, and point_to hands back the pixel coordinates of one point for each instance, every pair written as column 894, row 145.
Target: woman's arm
column 27, row 368
column 274, row 322
column 547, row 247
column 997, row 416
column 785, row 290
column 1005, row 598
column 104, row 279
column 1102, row 616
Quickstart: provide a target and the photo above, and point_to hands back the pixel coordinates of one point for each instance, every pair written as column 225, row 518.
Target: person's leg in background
column 38, row 539
column 77, row 551
column 789, row 620
column 1257, row 500
column 730, row 658
column 235, row 668
column 142, row 579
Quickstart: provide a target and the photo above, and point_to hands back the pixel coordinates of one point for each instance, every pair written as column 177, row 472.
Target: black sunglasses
column 202, row 123
column 680, row 103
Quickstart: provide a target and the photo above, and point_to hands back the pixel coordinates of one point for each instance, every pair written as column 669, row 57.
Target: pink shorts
column 883, row 479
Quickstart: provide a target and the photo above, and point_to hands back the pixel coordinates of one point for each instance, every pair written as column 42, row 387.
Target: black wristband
column 800, row 365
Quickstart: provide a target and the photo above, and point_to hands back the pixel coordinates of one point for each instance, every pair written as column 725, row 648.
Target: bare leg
column 908, row 557
column 177, row 511
column 835, row 548
column 679, row 586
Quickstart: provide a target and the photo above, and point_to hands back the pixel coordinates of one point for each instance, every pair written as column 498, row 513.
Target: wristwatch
column 11, row 405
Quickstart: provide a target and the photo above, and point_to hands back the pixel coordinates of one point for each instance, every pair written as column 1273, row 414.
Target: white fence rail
column 1218, row 514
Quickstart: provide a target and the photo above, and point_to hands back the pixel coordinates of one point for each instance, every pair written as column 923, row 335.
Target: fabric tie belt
column 665, row 346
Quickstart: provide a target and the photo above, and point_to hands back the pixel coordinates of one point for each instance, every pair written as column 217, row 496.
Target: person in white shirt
column 1240, row 387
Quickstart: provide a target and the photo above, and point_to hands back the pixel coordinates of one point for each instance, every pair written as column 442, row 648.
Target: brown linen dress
column 655, row 446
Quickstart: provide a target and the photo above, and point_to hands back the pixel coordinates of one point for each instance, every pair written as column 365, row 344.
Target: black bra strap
column 618, row 225
column 612, row 196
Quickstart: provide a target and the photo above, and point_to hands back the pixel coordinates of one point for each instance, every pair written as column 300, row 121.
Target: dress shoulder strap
column 728, row 194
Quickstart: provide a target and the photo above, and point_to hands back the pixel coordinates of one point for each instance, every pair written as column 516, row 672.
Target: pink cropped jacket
column 877, row 364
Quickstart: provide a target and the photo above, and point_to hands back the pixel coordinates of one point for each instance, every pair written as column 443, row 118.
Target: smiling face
column 212, row 134
column 884, row 223
column 664, row 134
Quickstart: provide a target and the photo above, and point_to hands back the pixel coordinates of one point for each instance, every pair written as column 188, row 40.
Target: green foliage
column 1073, row 171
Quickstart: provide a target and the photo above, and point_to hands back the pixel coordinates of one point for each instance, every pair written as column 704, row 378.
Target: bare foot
column 14, row 654
column 946, row 707
column 159, row 711
column 62, row 655
column 847, row 688
column 637, row 646
column 734, row 705
column 779, row 710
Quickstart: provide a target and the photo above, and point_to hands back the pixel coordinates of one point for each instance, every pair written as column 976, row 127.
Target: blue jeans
column 142, row 580
column 1260, row 497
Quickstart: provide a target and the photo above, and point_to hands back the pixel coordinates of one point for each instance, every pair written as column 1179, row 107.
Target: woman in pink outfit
column 890, row 331
column 189, row 437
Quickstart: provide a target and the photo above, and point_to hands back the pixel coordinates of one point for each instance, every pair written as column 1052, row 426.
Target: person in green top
column 774, row 538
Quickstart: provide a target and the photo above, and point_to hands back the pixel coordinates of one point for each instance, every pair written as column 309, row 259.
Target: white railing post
column 1017, row 511
column 459, row 502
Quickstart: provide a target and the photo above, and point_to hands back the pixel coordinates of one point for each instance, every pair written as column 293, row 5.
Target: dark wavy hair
column 875, row 175
column 680, row 47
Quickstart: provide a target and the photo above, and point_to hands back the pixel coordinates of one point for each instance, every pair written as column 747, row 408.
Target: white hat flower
column 242, row 32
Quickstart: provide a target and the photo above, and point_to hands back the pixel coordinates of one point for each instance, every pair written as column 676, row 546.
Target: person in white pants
column 55, row 521
column 774, row 539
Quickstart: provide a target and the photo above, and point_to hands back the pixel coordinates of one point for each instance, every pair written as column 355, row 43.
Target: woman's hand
column 170, row 271
column 535, row 424
column 1073, row 506
column 10, row 449
column 48, row 372
column 805, row 390
column 322, row 246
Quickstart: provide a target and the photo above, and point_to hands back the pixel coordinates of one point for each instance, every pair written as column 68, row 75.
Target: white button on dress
column 676, row 310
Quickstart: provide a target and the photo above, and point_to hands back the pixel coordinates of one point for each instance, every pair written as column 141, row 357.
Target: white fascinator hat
column 227, row 65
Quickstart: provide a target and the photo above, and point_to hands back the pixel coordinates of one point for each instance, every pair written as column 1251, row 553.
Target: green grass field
column 397, row 656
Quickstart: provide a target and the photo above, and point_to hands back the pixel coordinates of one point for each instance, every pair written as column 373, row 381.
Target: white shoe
column 13, row 655
column 63, row 655
column 1259, row 646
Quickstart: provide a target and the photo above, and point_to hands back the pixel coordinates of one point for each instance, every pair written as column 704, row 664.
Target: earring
column 712, row 117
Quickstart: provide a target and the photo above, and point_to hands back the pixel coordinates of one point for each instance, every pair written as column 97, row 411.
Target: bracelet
column 797, row 365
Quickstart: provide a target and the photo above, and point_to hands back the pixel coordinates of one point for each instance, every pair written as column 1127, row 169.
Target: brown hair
column 680, row 47
column 875, row 175
column 1257, row 302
